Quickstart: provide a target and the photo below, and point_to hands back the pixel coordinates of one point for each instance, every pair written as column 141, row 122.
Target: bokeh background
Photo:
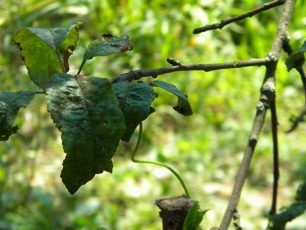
column 205, row 148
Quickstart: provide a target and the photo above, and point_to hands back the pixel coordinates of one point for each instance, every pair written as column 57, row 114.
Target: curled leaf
column 296, row 59
column 183, row 106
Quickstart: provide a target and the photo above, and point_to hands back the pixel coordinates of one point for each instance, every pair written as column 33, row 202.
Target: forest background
column 205, row 148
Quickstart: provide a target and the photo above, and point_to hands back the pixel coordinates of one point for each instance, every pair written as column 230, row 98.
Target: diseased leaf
column 297, row 58
column 135, row 99
column 87, row 113
column 183, row 107
column 46, row 51
column 194, row 217
column 108, row 46
column 68, row 45
column 10, row 103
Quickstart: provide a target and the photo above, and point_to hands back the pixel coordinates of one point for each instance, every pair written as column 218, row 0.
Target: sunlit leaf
column 87, row 113
column 10, row 103
column 297, row 58
column 68, row 45
column 46, row 51
column 135, row 99
column 183, row 106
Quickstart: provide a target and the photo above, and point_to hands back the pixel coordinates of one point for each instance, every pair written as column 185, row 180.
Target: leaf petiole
column 81, row 66
column 176, row 174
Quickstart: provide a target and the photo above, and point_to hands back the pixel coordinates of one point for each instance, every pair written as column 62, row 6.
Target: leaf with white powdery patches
column 87, row 113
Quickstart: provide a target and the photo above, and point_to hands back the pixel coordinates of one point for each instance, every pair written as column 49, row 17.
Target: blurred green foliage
column 206, row 148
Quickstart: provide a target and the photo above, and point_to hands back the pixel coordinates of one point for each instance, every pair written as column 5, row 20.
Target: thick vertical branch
column 267, row 93
column 266, row 97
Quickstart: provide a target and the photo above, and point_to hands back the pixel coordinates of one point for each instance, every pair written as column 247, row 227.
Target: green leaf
column 87, row 113
column 183, row 106
column 108, row 46
column 10, row 103
column 68, row 45
column 135, row 99
column 194, row 217
column 296, row 59
column 46, row 51
column 279, row 220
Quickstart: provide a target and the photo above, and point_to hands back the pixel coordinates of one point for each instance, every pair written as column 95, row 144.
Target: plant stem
column 251, row 13
column 176, row 174
column 81, row 66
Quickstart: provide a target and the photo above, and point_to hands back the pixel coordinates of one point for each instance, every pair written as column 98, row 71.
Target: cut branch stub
column 179, row 213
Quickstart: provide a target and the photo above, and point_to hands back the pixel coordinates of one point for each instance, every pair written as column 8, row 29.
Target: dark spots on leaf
column 67, row 53
column 107, row 36
column 20, row 48
column 18, row 45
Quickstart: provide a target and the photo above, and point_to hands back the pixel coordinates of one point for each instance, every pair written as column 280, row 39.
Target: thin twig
column 137, row 74
column 251, row 13
column 266, row 97
column 274, row 124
